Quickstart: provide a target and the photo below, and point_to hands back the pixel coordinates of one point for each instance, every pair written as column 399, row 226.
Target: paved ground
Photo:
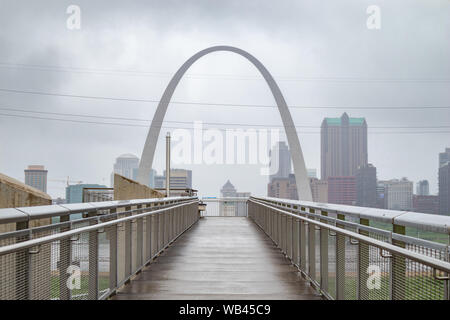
column 220, row 258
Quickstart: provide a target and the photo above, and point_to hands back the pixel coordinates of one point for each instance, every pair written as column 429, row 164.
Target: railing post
column 340, row 261
column 302, row 232
column 127, row 247
column 324, row 255
column 139, row 239
column 312, row 249
column 65, row 259
column 296, row 242
column 93, row 261
column 289, row 238
column 363, row 264
column 112, row 235
column 398, row 267
column 148, row 234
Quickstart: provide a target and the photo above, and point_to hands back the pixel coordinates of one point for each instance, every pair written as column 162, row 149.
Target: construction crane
column 67, row 181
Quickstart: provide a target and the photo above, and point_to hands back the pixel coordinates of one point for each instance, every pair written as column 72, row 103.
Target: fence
column 89, row 258
column 350, row 260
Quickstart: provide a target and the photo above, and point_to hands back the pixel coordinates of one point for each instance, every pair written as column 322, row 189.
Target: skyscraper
column 343, row 146
column 319, row 190
column 180, row 179
column 444, row 189
column 444, row 157
column 283, row 187
column 423, row 188
column 366, row 186
column 342, row 190
column 36, row 177
column 126, row 166
column 399, row 194
column 280, row 157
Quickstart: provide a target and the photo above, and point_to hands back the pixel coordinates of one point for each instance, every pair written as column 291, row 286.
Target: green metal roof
column 337, row 121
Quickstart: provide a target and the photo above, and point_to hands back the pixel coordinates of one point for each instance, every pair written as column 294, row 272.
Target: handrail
column 388, row 234
column 21, row 214
column 422, row 221
column 39, row 241
column 432, row 262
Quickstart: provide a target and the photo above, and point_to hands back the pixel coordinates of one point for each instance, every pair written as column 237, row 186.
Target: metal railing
column 350, row 259
column 106, row 249
column 225, row 207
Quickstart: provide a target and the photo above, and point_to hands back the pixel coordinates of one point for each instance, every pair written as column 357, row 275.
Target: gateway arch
column 145, row 166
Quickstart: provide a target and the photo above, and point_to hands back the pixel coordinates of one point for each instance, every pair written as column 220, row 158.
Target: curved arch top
column 145, row 166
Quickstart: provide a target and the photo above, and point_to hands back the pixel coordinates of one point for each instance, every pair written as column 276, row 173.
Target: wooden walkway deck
column 220, row 258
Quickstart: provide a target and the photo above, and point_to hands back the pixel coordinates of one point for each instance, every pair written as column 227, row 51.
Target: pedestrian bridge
column 171, row 248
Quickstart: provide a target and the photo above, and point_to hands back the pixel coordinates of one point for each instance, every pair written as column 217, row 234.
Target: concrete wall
column 127, row 189
column 14, row 193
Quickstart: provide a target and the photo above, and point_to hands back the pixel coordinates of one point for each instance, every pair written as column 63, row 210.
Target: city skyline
column 338, row 78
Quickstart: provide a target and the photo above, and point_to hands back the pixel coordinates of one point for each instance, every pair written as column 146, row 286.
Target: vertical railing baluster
column 340, row 261
column 127, row 246
column 93, row 261
column 324, row 255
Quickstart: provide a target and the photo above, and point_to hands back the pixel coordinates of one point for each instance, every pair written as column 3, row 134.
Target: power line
column 206, row 123
column 190, row 128
column 214, row 76
column 221, row 104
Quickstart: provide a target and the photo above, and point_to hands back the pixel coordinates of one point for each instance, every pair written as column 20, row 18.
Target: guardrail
column 95, row 259
column 351, row 260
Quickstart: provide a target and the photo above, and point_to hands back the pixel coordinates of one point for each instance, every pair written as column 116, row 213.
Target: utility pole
column 168, row 164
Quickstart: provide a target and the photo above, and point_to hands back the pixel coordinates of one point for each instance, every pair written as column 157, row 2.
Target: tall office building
column 426, row 204
column 343, row 146
column 381, row 195
column 280, row 158
column 319, row 190
column 399, row 194
column 342, row 190
column 180, row 179
column 126, row 165
column 74, row 193
column 160, row 182
column 366, row 186
column 444, row 189
column 444, row 157
column 36, row 177
column 423, row 188
column 283, row 187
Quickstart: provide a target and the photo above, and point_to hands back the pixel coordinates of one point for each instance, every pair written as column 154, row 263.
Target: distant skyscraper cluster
column 348, row 178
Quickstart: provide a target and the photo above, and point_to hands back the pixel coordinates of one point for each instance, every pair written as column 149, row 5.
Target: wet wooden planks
column 220, row 258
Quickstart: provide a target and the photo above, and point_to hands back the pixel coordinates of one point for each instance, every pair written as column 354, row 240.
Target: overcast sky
column 320, row 52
